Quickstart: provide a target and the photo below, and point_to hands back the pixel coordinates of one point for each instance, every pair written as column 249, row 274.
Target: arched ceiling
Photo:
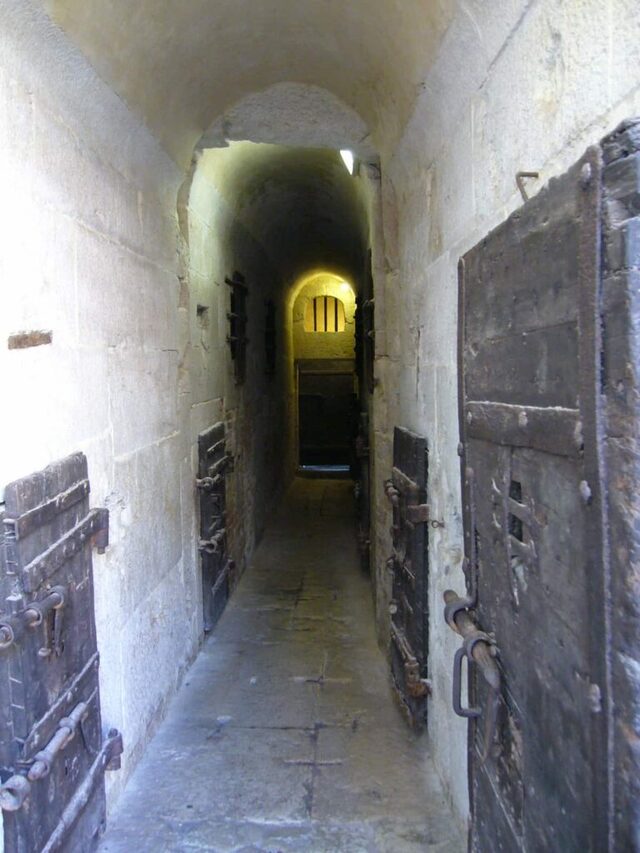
column 180, row 64
column 301, row 204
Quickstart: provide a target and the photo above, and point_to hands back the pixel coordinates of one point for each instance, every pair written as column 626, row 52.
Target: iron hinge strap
column 17, row 789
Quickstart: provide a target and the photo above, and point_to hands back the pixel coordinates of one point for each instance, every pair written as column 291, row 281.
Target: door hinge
column 418, row 513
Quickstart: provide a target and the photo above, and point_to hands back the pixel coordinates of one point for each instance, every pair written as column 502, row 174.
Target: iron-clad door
column 529, row 366
column 213, row 463
column 409, row 563
column 52, row 753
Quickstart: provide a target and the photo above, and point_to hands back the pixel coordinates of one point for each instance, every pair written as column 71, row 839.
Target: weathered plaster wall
column 516, row 86
column 218, row 243
column 89, row 252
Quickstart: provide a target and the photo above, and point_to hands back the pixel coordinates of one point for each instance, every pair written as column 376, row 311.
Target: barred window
column 324, row 314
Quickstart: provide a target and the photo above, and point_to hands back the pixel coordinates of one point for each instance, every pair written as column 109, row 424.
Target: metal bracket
column 34, row 614
column 453, row 607
column 208, row 484
column 418, row 513
column 16, row 790
column 116, row 748
column 391, row 492
column 520, row 179
column 100, row 539
column 213, row 545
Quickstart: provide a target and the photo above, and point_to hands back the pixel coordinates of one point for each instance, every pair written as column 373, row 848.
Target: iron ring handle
column 457, row 687
column 471, row 640
column 13, row 793
column 7, row 635
column 453, row 608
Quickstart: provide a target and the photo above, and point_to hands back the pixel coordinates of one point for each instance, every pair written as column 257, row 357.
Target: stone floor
column 285, row 735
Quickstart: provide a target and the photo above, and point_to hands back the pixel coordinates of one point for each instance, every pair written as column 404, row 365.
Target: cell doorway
column 325, row 376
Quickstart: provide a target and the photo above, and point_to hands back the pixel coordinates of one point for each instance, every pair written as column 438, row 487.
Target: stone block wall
column 516, row 86
column 93, row 251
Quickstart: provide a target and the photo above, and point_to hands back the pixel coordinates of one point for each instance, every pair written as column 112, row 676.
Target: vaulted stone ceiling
column 300, row 204
column 181, row 64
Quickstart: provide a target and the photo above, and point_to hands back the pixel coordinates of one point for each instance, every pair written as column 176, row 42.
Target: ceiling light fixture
column 347, row 159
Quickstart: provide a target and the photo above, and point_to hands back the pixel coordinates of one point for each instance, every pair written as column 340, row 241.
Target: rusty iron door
column 213, row 464
column 362, row 474
column 52, row 751
column 534, row 621
column 365, row 359
column 409, row 565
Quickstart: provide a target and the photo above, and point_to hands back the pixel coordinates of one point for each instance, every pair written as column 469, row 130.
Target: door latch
column 48, row 612
column 391, row 492
column 208, row 484
column 480, row 650
column 213, row 545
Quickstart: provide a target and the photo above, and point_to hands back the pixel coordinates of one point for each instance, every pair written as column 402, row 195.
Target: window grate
column 325, row 314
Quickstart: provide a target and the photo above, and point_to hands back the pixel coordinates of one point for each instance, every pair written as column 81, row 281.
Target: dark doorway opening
column 327, row 406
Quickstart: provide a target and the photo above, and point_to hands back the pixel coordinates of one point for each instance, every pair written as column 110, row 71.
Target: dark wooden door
column 530, row 363
column 409, row 564
column 213, row 464
column 327, row 408
column 52, row 752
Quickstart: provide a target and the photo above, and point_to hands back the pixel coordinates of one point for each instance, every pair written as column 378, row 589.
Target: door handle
column 480, row 650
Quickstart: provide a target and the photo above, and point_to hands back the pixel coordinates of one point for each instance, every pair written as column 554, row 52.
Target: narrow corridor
column 285, row 735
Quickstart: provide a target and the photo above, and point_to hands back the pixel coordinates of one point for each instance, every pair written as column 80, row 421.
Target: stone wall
column 219, row 244
column 516, row 86
column 135, row 300
column 89, row 253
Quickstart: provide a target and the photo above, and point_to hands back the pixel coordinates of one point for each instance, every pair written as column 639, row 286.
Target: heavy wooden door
column 535, row 536
column 409, row 564
column 52, row 752
column 326, row 412
column 213, row 464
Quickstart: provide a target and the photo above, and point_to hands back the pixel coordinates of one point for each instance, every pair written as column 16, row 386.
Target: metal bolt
column 13, row 793
column 6, row 636
column 585, row 492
